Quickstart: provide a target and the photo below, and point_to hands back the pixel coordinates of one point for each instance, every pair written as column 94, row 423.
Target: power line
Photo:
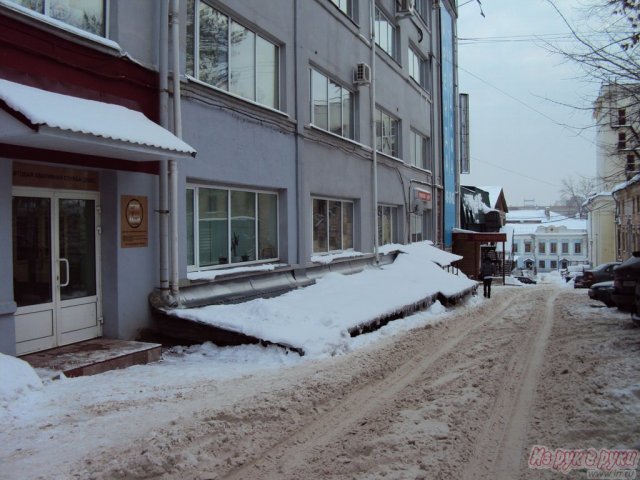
column 520, row 174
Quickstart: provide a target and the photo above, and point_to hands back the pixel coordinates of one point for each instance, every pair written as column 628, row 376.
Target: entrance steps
column 92, row 357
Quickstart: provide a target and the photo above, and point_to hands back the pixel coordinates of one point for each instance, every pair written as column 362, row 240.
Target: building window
column 622, row 116
column 631, row 163
column 418, row 69
column 387, row 227
column 565, row 247
column 553, row 247
column 577, row 248
column 345, row 5
column 514, row 247
column 622, row 141
column 385, row 32
column 230, row 226
column 423, row 9
column 541, row 264
column 417, row 150
column 331, row 106
column 527, row 247
column 332, row 225
column 387, row 129
column 231, row 57
column 541, row 247
column 87, row 15
column 553, row 265
column 416, row 227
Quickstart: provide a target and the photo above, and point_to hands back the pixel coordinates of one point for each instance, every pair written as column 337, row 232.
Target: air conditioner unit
column 362, row 74
column 406, row 7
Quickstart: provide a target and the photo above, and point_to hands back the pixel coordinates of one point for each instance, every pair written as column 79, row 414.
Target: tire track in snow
column 284, row 458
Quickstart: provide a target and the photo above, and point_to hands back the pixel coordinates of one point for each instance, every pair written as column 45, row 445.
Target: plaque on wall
column 134, row 222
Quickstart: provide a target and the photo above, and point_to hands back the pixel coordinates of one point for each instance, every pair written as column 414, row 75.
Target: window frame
column 578, row 250
column 342, row 202
column 424, row 70
column 46, row 4
column 393, row 211
column 393, row 51
column 193, row 51
column 195, row 227
column 352, row 105
column 345, row 6
column 381, row 114
column 542, row 247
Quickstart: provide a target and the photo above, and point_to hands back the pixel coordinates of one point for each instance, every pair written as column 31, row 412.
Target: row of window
column 348, row 7
column 229, row 226
column 87, row 15
column 553, row 247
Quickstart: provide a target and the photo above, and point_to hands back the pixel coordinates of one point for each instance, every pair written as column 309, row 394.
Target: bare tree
column 574, row 192
column 609, row 53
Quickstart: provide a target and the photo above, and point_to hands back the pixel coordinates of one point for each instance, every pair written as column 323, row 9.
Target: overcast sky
column 517, row 141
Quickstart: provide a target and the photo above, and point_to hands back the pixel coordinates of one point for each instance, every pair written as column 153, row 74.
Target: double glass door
column 55, row 263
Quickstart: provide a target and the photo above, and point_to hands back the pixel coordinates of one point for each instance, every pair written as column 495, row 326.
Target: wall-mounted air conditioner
column 362, row 74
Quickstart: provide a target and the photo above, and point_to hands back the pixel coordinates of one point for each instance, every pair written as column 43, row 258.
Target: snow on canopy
column 73, row 114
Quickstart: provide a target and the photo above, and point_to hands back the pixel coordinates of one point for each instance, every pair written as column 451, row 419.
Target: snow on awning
column 37, row 118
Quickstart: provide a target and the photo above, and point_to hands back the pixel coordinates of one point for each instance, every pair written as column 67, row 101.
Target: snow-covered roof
column 621, row 186
column 64, row 116
column 532, row 215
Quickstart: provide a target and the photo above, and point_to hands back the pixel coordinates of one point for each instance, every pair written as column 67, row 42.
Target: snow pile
column 512, row 281
column 326, row 259
column 318, row 318
column 16, row 378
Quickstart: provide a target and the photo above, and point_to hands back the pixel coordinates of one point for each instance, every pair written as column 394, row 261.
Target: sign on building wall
column 448, row 126
column 134, row 221
column 46, row 176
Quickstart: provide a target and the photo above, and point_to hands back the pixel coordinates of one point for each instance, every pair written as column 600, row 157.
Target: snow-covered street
column 465, row 394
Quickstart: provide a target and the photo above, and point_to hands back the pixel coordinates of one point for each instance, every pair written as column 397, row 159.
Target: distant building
column 545, row 241
column 616, row 114
column 627, row 199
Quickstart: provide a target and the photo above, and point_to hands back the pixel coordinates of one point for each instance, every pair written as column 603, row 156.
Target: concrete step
column 92, row 357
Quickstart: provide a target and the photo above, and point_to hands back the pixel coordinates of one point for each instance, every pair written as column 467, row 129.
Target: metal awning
column 36, row 118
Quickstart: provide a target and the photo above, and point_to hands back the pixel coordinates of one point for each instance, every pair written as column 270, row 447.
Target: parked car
column 577, row 281
column 602, row 291
column 527, row 280
column 624, row 283
column 601, row 273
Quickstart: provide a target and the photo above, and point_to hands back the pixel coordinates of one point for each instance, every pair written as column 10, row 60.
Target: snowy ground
column 430, row 396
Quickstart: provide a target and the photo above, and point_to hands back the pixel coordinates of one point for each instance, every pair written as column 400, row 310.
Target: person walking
column 486, row 274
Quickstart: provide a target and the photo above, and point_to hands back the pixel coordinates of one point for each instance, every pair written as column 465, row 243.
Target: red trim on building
column 39, row 58
column 66, row 158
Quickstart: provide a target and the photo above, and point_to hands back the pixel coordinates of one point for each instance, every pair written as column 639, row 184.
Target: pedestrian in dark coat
column 486, row 274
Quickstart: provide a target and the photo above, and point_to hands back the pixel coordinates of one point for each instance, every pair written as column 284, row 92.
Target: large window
column 88, row 15
column 542, row 247
column 565, row 247
column 387, row 224
column 419, row 69
column 416, row 227
column 577, row 247
column 332, row 225
column 385, row 32
column 423, row 8
column 331, row 106
column 387, row 129
column 345, row 5
column 229, row 56
column 418, row 154
column 230, row 226
column 553, row 247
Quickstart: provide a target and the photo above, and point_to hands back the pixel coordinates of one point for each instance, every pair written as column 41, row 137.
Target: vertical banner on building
column 448, row 125
column 465, row 150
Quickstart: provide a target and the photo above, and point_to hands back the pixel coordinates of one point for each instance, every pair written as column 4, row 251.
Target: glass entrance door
column 55, row 263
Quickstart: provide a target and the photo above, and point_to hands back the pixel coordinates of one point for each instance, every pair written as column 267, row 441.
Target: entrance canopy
column 32, row 117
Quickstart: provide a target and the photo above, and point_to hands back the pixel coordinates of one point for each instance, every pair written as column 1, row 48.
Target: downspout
column 300, row 217
column 374, row 152
column 163, row 70
column 177, row 130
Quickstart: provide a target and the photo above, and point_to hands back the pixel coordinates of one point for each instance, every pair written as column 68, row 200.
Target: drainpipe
column 372, row 99
column 163, row 68
column 177, row 130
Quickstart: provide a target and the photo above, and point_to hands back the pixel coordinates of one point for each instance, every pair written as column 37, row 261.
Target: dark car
column 601, row 273
column 624, row 283
column 577, row 281
column 602, row 291
column 527, row 280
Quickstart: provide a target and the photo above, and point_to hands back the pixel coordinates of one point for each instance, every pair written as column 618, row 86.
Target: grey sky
column 517, row 141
